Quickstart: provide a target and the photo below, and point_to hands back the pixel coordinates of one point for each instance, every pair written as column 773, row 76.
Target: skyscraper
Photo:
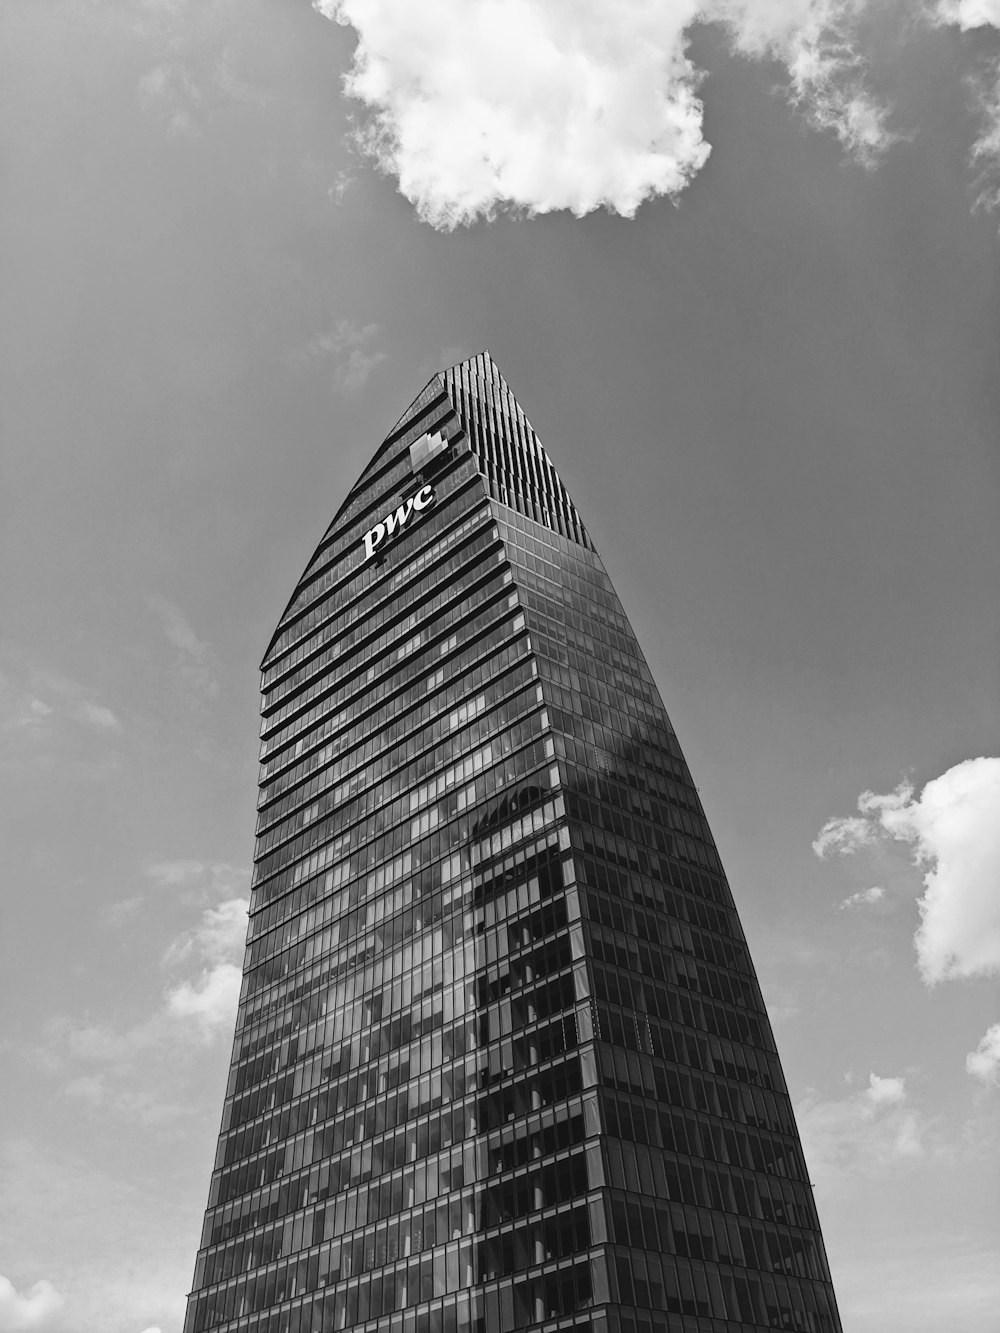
column 501, row 1060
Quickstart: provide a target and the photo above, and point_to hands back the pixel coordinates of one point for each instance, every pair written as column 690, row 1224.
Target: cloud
column 170, row 92
column 984, row 1061
column 782, row 1002
column 844, row 835
column 198, row 879
column 984, row 86
column 118, row 1262
column 342, row 182
column 28, row 1309
column 195, row 661
column 89, row 1088
column 885, row 1091
column 578, row 104
column 141, row 1105
column 34, row 700
column 816, row 42
column 985, row 152
column 131, row 1069
column 217, row 938
column 350, row 348
column 970, row 13
column 97, row 1043
column 176, row 628
column 861, row 1136
column 573, row 105
column 203, row 75
column 235, row 86
column 75, row 702
column 953, row 829
column 97, row 715
column 864, row 898
column 209, row 1001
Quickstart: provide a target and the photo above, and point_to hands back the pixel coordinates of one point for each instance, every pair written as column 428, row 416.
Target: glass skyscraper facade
column 501, row 1060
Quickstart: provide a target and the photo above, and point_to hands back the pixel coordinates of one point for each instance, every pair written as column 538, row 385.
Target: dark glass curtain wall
column 501, row 1060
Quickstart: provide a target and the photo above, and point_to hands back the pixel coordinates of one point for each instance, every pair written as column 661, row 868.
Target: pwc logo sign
column 397, row 520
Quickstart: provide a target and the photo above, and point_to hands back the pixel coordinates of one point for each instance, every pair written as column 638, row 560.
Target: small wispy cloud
column 818, row 44
column 195, row 661
column 953, row 831
column 130, row 1069
column 101, row 1044
column 176, row 627
column 233, row 84
column 32, row 698
column 170, row 92
column 197, row 880
column 844, row 834
column 209, row 1000
column 110, row 1093
column 203, row 75
column 349, row 350
column 342, row 182
column 31, row 1308
column 983, row 84
column 984, row 1062
column 218, row 936
column 862, row 1135
column 782, row 1002
column 863, row 898
column 97, row 715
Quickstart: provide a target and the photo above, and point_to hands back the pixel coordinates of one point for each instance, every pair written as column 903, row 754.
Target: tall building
column 501, row 1060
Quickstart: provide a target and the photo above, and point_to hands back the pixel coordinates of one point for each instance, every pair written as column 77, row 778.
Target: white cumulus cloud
column 984, row 1061
column 543, row 105
column 27, row 1309
column 885, row 1091
column 970, row 13
column 567, row 105
column 953, row 830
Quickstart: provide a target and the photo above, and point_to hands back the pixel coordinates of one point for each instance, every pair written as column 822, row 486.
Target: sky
column 739, row 262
